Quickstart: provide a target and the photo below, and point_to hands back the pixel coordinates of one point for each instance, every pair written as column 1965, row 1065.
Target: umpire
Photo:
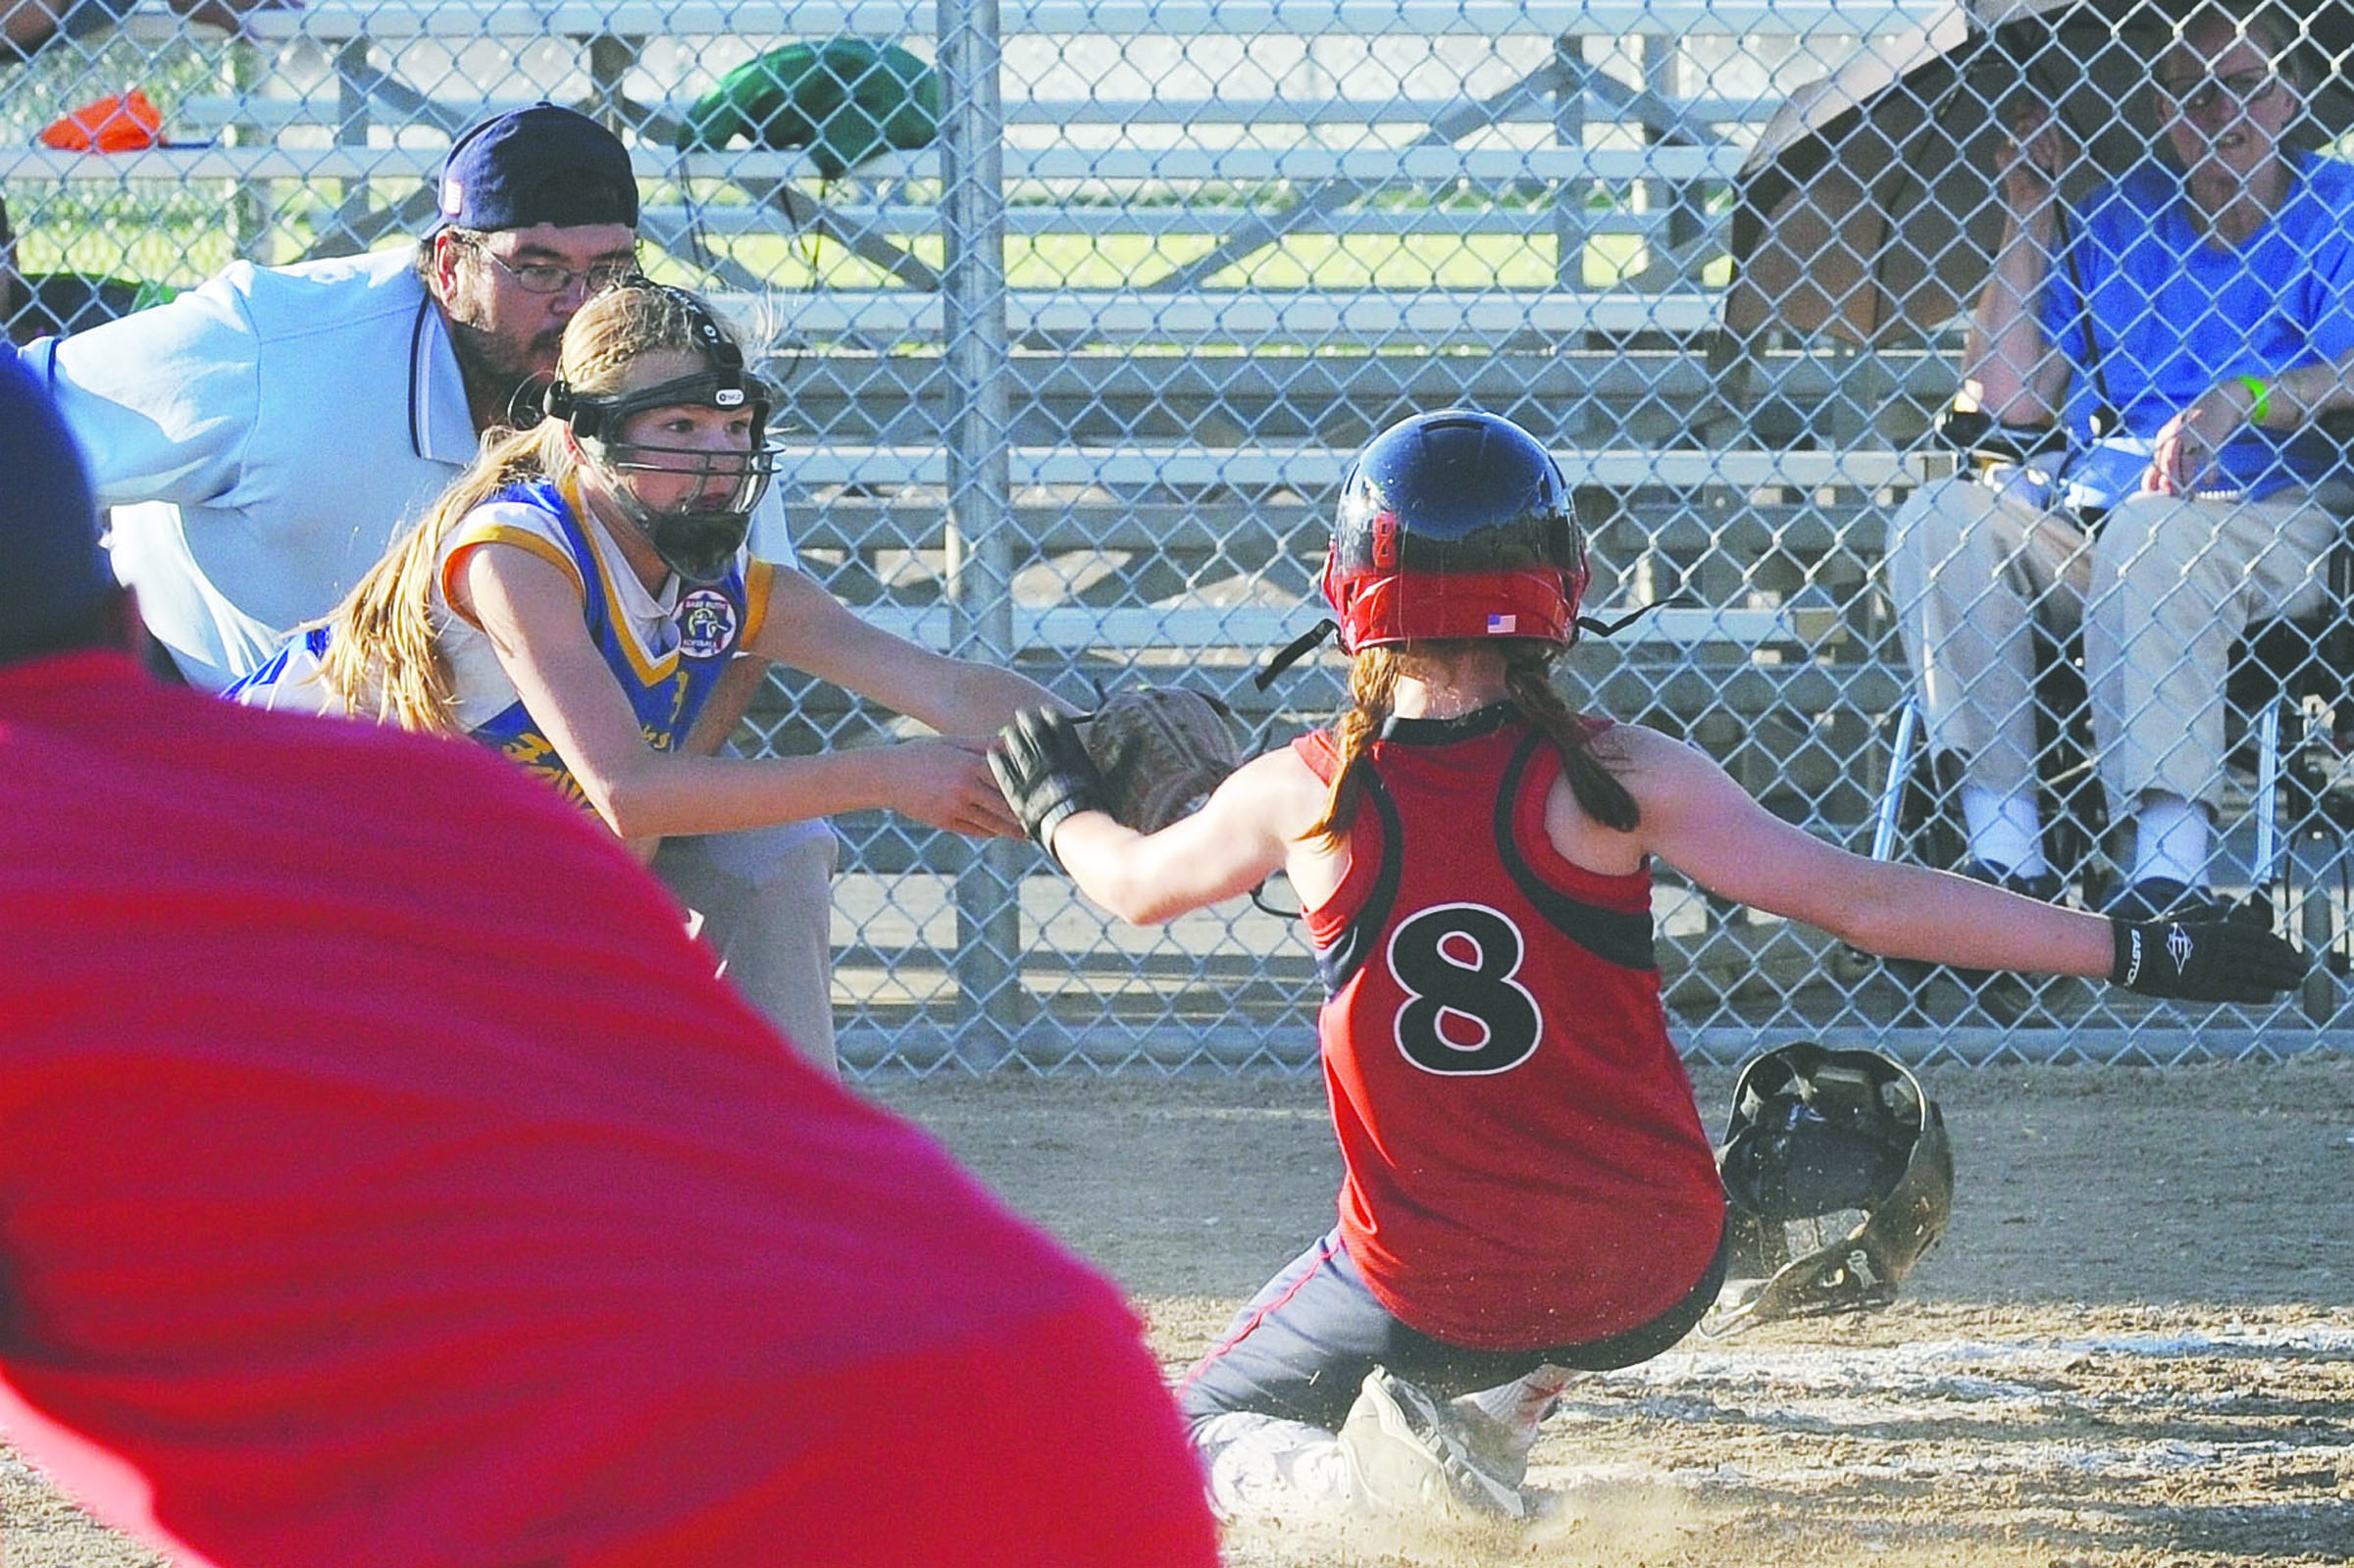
column 263, row 438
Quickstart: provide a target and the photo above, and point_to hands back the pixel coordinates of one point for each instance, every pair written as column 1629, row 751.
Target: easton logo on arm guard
column 2177, row 948
column 2231, row 959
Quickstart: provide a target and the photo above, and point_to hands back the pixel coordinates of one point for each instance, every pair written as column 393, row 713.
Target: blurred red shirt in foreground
column 384, row 1179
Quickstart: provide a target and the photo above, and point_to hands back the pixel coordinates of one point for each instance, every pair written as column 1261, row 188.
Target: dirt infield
column 2135, row 1348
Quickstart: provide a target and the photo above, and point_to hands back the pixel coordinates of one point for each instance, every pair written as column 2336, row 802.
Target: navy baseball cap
column 540, row 164
column 52, row 567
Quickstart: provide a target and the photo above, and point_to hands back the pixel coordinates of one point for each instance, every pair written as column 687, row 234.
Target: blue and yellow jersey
column 667, row 662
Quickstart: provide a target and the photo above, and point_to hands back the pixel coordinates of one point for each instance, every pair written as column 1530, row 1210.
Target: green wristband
column 2262, row 392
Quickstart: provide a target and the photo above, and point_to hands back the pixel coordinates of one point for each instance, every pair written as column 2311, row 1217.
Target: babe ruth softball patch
column 707, row 623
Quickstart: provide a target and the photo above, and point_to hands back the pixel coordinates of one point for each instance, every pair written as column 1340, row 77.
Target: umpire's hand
column 2209, row 961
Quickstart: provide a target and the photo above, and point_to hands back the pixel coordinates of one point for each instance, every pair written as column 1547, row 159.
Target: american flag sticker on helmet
column 1503, row 626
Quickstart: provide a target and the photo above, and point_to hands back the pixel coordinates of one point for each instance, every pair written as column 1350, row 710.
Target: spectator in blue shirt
column 2187, row 328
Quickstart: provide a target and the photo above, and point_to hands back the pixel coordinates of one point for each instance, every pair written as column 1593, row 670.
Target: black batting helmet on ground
column 1838, row 1178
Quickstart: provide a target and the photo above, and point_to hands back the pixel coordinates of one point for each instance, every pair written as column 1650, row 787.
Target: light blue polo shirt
column 262, row 440
column 2173, row 316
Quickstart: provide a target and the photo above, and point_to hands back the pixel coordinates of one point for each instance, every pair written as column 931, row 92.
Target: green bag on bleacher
column 844, row 100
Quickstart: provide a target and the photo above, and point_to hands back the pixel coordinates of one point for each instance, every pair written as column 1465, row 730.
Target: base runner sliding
column 1529, row 1191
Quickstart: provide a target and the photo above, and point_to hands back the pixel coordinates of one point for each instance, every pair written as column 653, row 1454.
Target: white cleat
column 1411, row 1453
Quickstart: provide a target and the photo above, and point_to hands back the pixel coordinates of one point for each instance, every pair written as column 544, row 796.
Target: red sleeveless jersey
column 1526, row 1166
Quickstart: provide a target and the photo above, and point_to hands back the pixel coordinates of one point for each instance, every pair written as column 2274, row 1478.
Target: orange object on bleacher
column 126, row 123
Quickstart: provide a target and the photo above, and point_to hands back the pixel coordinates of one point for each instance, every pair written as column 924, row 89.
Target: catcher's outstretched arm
column 532, row 613
column 807, row 627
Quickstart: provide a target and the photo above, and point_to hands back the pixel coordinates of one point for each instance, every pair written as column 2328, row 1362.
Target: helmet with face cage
column 1838, row 1178
column 697, row 539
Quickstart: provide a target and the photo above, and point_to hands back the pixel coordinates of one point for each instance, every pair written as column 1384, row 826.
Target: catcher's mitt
column 1160, row 750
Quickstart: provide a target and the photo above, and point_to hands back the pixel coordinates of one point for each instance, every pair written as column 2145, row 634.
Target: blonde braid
column 382, row 653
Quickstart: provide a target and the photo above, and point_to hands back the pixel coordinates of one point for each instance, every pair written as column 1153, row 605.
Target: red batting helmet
column 1456, row 525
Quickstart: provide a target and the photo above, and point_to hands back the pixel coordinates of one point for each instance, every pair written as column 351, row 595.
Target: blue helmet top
column 1457, row 524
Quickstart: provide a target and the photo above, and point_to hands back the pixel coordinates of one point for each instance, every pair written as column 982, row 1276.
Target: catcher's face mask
column 1838, row 1178
column 687, row 483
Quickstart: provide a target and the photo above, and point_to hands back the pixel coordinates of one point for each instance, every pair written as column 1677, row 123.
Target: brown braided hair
column 1529, row 687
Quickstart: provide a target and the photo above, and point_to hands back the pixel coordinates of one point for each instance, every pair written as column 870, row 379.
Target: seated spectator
column 2197, row 318
column 389, row 1182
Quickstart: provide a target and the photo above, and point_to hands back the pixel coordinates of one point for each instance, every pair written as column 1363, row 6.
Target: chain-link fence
column 1082, row 308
